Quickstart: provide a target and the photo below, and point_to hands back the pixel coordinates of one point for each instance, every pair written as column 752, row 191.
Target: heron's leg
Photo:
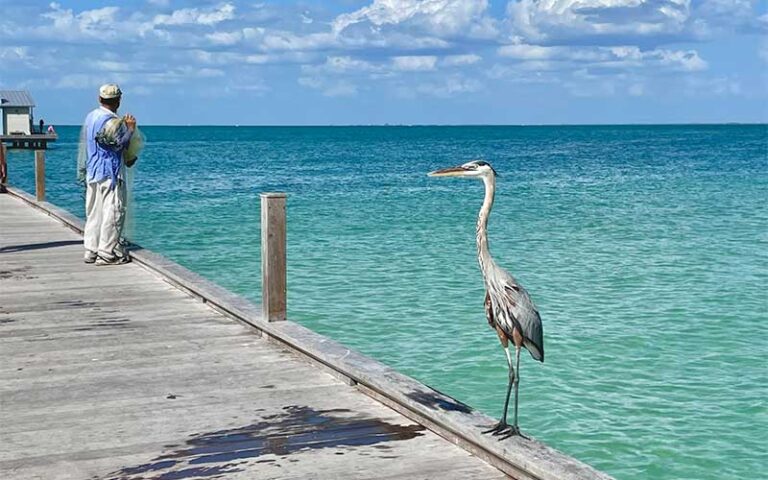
column 503, row 427
column 517, row 380
column 515, row 429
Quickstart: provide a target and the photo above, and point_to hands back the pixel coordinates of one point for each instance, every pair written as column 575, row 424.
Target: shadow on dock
column 434, row 400
column 38, row 246
column 294, row 430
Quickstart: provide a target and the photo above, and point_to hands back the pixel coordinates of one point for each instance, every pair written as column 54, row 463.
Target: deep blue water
column 645, row 248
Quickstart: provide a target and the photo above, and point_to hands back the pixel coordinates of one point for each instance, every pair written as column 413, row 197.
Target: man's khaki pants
column 105, row 212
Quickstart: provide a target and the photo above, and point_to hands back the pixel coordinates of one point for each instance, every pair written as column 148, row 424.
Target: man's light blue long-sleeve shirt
column 104, row 160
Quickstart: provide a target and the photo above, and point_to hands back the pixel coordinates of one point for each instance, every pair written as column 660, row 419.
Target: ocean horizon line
column 452, row 125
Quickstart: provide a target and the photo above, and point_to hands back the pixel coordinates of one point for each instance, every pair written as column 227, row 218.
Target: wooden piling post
column 40, row 175
column 3, row 167
column 273, row 254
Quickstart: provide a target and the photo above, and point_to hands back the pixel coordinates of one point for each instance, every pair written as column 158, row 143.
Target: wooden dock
column 147, row 371
column 33, row 141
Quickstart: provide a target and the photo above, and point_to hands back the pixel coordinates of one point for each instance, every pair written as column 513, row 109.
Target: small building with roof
column 17, row 107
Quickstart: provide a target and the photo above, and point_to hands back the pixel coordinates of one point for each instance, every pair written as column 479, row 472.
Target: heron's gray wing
column 514, row 307
column 489, row 310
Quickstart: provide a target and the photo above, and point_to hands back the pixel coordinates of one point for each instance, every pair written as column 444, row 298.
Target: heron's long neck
column 483, row 253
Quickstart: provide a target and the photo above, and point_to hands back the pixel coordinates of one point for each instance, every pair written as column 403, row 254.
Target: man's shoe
column 101, row 261
column 90, row 257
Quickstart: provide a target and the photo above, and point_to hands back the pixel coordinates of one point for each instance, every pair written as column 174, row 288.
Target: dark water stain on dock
column 76, row 304
column 438, row 400
column 16, row 274
column 106, row 323
column 293, row 430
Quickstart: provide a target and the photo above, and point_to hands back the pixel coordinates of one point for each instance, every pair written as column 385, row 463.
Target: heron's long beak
column 449, row 172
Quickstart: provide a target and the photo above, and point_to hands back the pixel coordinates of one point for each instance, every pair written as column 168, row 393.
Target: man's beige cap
column 109, row 90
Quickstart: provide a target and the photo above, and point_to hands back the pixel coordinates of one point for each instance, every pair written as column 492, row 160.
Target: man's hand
column 130, row 121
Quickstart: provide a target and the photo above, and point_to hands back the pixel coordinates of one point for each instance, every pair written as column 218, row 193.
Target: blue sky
column 393, row 61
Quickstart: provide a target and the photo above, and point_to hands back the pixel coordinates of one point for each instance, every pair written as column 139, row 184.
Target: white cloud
column 10, row 54
column 616, row 58
column 97, row 23
column 85, row 81
column 728, row 14
column 192, row 16
column 553, row 21
column 225, row 38
column 98, row 17
column 435, row 17
column 681, row 60
column 257, row 59
column 346, row 64
column 283, row 40
column 460, row 60
column 422, row 63
column 113, row 66
column 528, row 52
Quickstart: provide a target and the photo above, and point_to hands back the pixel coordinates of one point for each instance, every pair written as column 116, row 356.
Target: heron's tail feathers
column 537, row 352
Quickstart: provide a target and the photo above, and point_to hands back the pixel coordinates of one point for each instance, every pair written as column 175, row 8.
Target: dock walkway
column 149, row 371
column 112, row 373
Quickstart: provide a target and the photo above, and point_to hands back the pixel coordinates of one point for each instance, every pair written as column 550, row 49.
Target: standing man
column 42, row 123
column 106, row 136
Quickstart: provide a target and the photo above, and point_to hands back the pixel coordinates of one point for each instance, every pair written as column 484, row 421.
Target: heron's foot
column 501, row 428
column 512, row 431
column 504, row 430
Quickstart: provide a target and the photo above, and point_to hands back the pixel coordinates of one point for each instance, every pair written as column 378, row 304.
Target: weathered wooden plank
column 40, row 175
column 248, row 399
column 159, row 386
column 3, row 167
column 157, row 348
column 83, row 320
column 99, row 328
column 58, row 299
column 83, row 364
column 27, row 283
column 99, row 368
column 45, row 344
column 273, row 257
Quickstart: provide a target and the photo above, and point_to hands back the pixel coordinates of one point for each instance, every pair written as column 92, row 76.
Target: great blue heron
column 508, row 306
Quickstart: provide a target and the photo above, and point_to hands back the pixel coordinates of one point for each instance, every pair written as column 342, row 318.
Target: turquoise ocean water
column 645, row 248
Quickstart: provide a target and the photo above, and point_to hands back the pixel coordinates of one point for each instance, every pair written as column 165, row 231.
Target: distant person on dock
column 106, row 136
column 42, row 123
column 51, row 131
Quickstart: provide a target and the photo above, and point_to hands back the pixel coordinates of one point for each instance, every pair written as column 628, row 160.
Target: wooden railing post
column 40, row 175
column 3, row 167
column 273, row 264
